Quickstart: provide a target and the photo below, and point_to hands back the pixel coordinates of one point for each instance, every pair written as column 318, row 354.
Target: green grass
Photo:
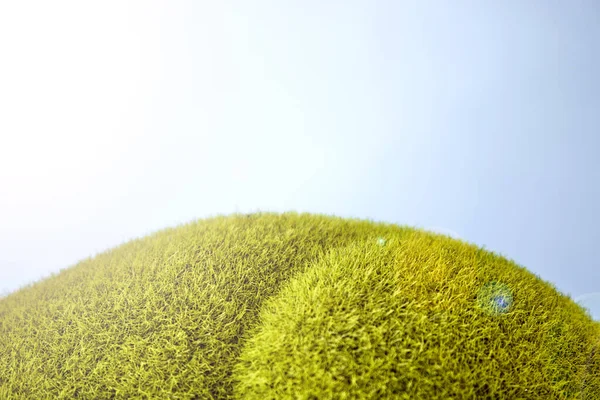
column 296, row 306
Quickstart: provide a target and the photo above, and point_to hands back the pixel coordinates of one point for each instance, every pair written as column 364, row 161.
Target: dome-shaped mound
column 270, row 306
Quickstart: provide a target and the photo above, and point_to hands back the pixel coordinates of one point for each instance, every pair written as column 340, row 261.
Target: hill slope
column 296, row 306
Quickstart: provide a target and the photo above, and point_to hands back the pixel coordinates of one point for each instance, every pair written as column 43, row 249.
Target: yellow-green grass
column 296, row 306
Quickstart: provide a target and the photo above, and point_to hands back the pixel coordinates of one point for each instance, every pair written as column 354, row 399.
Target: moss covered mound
column 296, row 306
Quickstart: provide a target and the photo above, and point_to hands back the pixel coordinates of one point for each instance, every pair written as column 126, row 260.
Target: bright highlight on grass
column 284, row 306
column 495, row 298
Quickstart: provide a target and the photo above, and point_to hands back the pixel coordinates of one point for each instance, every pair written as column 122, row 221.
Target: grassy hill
column 296, row 306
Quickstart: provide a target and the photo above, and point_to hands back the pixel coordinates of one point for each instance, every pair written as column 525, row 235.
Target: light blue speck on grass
column 495, row 298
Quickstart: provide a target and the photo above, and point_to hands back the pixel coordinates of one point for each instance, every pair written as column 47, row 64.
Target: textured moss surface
column 296, row 306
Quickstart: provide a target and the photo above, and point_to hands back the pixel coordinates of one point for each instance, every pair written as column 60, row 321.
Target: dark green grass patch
column 296, row 306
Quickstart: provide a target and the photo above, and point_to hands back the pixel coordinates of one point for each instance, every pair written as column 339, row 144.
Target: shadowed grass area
column 296, row 306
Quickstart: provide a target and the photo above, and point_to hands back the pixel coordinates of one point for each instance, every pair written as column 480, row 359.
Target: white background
column 121, row 118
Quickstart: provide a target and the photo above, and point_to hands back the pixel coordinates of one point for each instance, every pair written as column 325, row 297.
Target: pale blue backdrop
column 479, row 118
